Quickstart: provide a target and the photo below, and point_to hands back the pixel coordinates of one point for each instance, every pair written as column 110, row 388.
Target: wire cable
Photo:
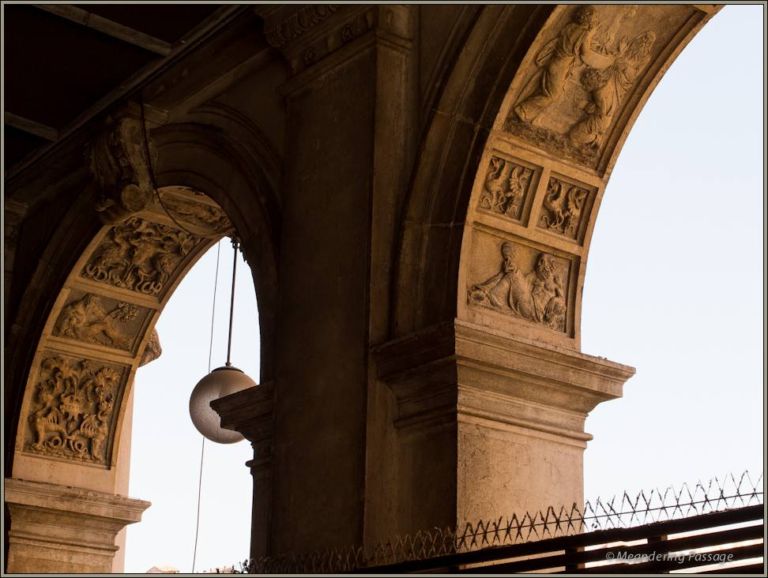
column 202, row 446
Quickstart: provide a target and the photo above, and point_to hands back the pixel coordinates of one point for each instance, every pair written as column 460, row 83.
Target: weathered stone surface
column 64, row 529
column 415, row 188
column 502, row 411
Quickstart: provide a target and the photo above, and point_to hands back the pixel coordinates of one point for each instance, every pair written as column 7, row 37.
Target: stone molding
column 250, row 413
column 65, row 529
column 462, row 370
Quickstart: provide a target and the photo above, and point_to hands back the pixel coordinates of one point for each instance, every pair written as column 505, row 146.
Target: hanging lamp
column 218, row 383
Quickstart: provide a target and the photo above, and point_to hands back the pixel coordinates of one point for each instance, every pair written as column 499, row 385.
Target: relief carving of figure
column 505, row 188
column 607, row 88
column 139, row 255
column 562, row 206
column 86, row 320
column 558, row 58
column 201, row 215
column 537, row 295
column 548, row 293
column 73, row 410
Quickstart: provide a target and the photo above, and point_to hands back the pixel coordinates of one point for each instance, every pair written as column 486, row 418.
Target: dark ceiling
column 63, row 61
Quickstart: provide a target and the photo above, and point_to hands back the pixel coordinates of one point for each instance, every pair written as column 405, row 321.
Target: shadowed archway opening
column 166, row 449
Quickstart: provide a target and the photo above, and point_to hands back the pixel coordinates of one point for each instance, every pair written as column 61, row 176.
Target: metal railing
column 645, row 508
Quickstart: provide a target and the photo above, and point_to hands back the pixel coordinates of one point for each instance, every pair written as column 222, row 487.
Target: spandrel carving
column 536, row 294
column 583, row 74
column 606, row 89
column 209, row 220
column 88, row 319
column 563, row 208
column 73, row 408
column 139, row 256
column 574, row 46
column 506, row 188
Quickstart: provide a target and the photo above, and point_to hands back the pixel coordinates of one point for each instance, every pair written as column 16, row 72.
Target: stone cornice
column 248, row 411
column 41, row 495
column 286, row 24
column 307, row 34
column 475, row 372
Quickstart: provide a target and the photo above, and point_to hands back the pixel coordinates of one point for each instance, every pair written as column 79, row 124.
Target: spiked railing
column 626, row 511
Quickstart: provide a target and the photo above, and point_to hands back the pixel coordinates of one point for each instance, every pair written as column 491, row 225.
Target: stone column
column 250, row 412
column 490, row 424
column 345, row 140
column 64, row 529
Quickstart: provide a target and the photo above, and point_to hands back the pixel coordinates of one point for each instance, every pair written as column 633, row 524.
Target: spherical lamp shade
column 220, row 382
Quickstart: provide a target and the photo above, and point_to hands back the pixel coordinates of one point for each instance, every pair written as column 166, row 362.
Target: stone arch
column 568, row 149
column 224, row 155
column 485, row 360
column 99, row 321
column 491, row 51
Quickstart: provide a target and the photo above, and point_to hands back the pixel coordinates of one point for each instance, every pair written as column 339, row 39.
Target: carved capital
column 250, row 413
column 120, row 160
column 462, row 370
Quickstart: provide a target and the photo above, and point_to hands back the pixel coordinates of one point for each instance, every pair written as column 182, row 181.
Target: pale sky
column 674, row 288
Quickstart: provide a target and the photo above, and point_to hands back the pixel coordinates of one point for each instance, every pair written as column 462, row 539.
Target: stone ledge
column 65, row 529
column 74, row 500
column 470, row 369
column 248, row 412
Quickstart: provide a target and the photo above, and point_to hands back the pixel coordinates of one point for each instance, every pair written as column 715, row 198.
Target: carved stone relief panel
column 528, row 284
column 508, row 188
column 566, row 207
column 192, row 212
column 101, row 320
column 140, row 256
column 591, row 59
column 72, row 411
column 121, row 164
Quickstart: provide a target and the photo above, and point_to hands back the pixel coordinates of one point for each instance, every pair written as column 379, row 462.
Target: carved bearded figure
column 537, row 296
column 507, row 289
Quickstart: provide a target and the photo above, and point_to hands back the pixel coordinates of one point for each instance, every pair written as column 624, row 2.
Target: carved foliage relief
column 73, row 409
column 100, row 320
column 583, row 74
column 565, row 208
column 529, row 284
column 507, row 187
column 139, row 255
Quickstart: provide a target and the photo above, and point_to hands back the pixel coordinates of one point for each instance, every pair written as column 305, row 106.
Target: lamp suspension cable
column 153, row 180
column 202, row 446
column 235, row 247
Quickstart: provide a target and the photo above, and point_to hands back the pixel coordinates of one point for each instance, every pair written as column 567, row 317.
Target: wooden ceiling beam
column 108, row 27
column 30, row 126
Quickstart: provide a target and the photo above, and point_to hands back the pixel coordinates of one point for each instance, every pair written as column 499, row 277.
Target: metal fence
column 625, row 511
